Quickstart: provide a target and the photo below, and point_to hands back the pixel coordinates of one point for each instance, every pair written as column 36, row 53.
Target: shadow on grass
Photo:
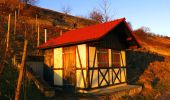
column 137, row 62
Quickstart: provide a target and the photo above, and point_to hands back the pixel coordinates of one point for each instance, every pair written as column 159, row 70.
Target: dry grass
column 154, row 43
column 150, row 66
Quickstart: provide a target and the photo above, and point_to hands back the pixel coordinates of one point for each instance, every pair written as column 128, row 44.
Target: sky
column 154, row 14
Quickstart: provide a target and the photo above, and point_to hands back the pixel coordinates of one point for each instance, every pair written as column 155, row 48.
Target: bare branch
column 66, row 9
column 103, row 13
column 96, row 15
column 105, row 9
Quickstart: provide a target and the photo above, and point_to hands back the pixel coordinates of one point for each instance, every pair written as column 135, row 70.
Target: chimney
column 45, row 34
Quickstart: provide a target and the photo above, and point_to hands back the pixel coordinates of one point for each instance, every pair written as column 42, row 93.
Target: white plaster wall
column 58, row 80
column 95, row 78
column 82, row 52
column 123, row 56
column 80, row 81
column 123, row 75
column 110, row 71
column 58, row 63
column 79, row 76
column 91, row 57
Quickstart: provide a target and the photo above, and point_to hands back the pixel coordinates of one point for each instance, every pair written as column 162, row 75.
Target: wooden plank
column 87, row 66
column 108, row 75
column 98, row 77
column 57, row 68
column 81, row 69
column 96, row 68
column 69, row 54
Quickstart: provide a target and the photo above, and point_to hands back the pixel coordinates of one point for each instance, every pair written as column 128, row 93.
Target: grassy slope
column 154, row 43
column 8, row 85
column 149, row 66
column 53, row 21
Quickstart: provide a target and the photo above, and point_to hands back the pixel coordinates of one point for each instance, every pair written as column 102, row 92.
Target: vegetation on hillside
column 27, row 28
column 8, row 82
column 153, row 42
column 148, row 66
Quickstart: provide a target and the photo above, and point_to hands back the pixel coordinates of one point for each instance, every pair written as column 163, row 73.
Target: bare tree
column 96, row 15
column 66, row 9
column 105, row 9
column 32, row 2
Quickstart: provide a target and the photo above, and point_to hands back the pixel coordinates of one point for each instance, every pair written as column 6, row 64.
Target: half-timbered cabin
column 89, row 58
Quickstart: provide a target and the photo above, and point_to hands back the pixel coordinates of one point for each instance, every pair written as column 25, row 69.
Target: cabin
column 89, row 58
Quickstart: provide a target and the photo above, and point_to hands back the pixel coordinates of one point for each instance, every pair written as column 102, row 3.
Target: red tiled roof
column 81, row 35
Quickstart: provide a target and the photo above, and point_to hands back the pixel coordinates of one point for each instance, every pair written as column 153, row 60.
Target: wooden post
column 25, row 34
column 45, row 35
column 61, row 32
column 36, row 26
column 19, row 9
column 17, row 93
column 38, row 37
column 8, row 33
column 15, row 22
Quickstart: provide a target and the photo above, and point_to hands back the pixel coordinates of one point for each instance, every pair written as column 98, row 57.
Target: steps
column 112, row 93
column 44, row 88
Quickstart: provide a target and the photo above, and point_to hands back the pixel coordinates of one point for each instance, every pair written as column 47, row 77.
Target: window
column 115, row 58
column 103, row 57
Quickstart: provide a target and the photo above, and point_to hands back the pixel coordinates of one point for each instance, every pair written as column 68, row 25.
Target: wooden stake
column 15, row 22
column 36, row 26
column 8, row 33
column 17, row 93
column 45, row 35
column 38, row 37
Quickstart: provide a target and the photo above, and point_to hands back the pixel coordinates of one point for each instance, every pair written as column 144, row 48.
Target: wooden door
column 69, row 64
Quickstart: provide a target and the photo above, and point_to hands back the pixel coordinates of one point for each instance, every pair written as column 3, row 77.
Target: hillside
column 154, row 43
column 26, row 28
column 148, row 66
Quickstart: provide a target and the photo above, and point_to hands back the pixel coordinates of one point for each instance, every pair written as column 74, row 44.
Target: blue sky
column 154, row 14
